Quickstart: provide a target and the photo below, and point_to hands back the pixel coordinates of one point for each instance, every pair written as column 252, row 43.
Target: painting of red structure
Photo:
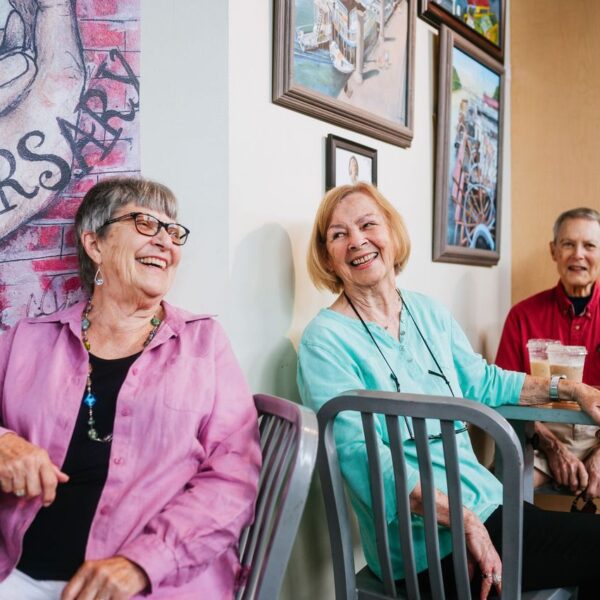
column 69, row 116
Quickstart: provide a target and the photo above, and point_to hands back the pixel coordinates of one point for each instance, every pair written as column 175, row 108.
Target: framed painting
column 482, row 22
column 347, row 162
column 468, row 186
column 349, row 63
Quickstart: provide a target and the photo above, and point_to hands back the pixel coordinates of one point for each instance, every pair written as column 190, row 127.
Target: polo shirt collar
column 565, row 304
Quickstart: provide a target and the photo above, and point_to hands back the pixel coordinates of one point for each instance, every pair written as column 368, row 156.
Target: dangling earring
column 98, row 280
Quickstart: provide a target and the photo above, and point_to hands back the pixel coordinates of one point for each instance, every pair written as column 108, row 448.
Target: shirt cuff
column 152, row 555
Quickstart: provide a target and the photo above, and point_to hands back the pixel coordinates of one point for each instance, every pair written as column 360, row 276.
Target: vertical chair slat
column 430, row 514
column 378, row 501
column 459, row 550
column 269, row 502
column 273, row 450
column 403, row 507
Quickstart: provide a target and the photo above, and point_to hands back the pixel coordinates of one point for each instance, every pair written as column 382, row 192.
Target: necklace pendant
column 90, row 399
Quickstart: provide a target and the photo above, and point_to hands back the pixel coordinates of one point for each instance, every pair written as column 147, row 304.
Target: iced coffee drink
column 538, row 356
column 568, row 361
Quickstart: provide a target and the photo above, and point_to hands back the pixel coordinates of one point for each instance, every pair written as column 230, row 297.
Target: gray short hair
column 575, row 213
column 100, row 204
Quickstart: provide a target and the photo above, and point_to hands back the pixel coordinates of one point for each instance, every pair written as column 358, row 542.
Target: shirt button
column 125, row 412
column 118, row 460
column 105, row 510
column 577, row 327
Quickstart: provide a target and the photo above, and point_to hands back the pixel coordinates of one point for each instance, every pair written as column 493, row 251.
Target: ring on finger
column 486, row 575
column 19, row 493
column 496, row 578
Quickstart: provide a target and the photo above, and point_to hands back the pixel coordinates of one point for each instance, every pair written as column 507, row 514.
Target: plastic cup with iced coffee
column 567, row 360
column 538, row 356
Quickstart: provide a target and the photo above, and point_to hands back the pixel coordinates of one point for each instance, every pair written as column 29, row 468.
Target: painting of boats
column 346, row 58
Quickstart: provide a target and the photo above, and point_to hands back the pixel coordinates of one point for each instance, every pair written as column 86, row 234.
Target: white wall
column 250, row 175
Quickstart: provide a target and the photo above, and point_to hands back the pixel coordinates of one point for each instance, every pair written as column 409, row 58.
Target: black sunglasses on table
column 150, row 226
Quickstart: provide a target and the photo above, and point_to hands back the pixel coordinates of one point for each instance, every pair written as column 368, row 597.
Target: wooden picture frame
column 347, row 162
column 468, row 183
column 483, row 26
column 316, row 50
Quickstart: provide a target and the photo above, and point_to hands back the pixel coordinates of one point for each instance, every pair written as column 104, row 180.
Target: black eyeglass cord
column 393, row 375
column 437, row 364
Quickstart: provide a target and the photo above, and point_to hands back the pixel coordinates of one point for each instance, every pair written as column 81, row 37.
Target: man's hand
column 567, row 470
column 113, row 578
column 592, row 465
column 27, row 471
column 586, row 396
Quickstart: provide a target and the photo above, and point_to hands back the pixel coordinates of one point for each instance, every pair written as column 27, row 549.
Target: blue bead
column 90, row 399
column 85, row 324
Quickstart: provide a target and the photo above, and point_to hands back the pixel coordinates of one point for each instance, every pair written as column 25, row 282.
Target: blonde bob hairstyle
column 318, row 256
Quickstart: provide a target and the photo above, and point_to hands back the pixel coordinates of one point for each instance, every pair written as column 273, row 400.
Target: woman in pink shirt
column 129, row 453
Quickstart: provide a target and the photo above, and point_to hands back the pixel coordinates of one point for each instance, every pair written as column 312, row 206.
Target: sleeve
column 478, row 379
column 6, row 344
column 322, row 376
column 206, row 519
column 511, row 350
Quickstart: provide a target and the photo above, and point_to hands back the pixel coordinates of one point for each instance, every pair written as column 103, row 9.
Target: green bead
column 155, row 321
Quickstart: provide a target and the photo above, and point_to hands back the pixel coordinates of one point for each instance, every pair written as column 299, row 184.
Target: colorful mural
column 69, row 116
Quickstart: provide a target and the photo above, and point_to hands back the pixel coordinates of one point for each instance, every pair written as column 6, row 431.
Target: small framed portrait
column 468, row 177
column 480, row 21
column 347, row 162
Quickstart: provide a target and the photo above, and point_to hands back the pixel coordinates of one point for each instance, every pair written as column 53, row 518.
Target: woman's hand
column 482, row 552
column 27, row 471
column 113, row 578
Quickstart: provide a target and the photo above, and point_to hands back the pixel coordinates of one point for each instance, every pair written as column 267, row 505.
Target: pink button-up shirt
column 185, row 456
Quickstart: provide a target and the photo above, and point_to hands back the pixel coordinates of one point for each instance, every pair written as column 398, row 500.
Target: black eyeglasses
column 150, row 226
column 432, row 436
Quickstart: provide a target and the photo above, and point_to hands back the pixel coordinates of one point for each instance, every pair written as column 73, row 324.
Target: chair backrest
column 288, row 440
column 419, row 408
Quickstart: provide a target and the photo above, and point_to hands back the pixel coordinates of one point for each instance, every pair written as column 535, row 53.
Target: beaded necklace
column 90, row 399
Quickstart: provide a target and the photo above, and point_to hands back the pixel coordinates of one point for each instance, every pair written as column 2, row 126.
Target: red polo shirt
column 550, row 315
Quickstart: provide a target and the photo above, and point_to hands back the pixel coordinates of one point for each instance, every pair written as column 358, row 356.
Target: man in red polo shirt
column 569, row 312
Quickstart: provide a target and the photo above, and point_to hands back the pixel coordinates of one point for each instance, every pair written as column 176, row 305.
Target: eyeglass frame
column 161, row 225
column 430, row 436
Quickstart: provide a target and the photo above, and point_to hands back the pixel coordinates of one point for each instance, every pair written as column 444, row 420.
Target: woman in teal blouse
column 378, row 337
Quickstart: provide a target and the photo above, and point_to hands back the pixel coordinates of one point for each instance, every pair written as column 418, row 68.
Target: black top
column 54, row 545
column 579, row 304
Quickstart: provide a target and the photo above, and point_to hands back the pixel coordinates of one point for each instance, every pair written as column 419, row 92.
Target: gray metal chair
column 365, row 585
column 288, row 441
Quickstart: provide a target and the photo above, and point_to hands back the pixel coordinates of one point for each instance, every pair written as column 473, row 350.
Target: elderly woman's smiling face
column 133, row 263
column 360, row 246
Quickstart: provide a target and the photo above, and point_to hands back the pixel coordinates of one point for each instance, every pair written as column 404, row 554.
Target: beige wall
column 555, row 57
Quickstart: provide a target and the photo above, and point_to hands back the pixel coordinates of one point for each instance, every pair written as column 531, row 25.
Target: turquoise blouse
column 337, row 355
